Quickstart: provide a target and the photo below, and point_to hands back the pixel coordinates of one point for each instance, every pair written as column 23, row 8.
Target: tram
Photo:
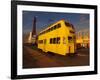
column 58, row 38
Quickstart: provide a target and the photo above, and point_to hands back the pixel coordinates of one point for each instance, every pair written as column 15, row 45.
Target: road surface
column 34, row 58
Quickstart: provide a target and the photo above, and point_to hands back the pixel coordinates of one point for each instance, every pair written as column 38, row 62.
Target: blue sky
column 80, row 21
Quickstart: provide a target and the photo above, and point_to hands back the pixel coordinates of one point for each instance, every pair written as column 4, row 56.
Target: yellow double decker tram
column 58, row 38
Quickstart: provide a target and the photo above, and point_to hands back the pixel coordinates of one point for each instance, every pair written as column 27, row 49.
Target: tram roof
column 51, row 25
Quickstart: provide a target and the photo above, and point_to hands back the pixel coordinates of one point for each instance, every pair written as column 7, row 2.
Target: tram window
column 51, row 28
column 72, row 31
column 54, row 40
column 72, row 26
column 67, row 24
column 41, row 41
column 58, row 40
column 48, row 30
column 58, row 25
column 44, row 41
column 70, row 39
column 50, row 40
column 64, row 40
column 55, row 26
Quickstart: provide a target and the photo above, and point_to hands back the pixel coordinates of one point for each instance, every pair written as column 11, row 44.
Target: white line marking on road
column 81, row 55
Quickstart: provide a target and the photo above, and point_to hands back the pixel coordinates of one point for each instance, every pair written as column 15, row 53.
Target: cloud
column 83, row 22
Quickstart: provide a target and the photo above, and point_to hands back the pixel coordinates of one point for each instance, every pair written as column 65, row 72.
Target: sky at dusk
column 79, row 20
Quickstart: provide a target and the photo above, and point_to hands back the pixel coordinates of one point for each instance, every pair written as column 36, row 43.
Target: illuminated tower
column 32, row 35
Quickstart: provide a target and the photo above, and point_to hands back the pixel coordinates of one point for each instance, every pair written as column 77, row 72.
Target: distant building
column 32, row 35
column 30, row 38
column 83, row 38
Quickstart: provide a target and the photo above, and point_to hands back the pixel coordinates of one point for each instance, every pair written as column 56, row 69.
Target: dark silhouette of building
column 34, row 27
